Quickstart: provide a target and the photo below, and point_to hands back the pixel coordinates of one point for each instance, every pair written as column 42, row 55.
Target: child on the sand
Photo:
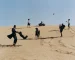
column 37, row 32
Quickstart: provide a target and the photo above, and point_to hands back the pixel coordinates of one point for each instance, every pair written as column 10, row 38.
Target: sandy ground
column 50, row 46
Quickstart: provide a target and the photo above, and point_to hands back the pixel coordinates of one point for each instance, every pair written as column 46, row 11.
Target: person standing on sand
column 68, row 23
column 14, row 35
column 28, row 24
column 37, row 32
column 61, row 27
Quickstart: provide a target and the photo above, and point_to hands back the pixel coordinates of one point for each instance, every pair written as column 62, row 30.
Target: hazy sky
column 18, row 11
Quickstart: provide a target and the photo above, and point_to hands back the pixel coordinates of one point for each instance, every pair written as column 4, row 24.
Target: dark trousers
column 15, row 39
column 68, row 26
column 61, row 31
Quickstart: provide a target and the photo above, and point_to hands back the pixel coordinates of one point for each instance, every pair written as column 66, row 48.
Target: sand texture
column 50, row 46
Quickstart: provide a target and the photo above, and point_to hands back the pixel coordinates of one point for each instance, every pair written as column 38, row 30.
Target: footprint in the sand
column 23, row 59
column 62, row 44
column 65, row 52
column 27, row 59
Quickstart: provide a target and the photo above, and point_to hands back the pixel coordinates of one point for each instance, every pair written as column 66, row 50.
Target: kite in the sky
column 53, row 13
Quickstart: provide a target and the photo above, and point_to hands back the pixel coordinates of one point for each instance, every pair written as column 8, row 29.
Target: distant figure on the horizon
column 28, row 24
column 68, row 23
column 61, row 27
column 37, row 32
column 41, row 24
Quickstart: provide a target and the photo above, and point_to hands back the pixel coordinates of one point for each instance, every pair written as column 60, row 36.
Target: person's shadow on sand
column 27, row 39
column 9, row 45
column 53, row 30
column 49, row 37
column 41, row 38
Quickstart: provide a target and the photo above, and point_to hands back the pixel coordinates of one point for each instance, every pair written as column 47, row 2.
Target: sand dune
column 50, row 46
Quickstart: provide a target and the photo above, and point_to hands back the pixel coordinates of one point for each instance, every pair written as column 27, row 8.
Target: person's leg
column 61, row 34
column 36, row 37
column 28, row 25
column 15, row 40
column 69, row 26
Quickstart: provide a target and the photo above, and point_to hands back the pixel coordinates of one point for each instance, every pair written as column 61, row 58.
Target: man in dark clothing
column 37, row 32
column 14, row 35
column 61, row 27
